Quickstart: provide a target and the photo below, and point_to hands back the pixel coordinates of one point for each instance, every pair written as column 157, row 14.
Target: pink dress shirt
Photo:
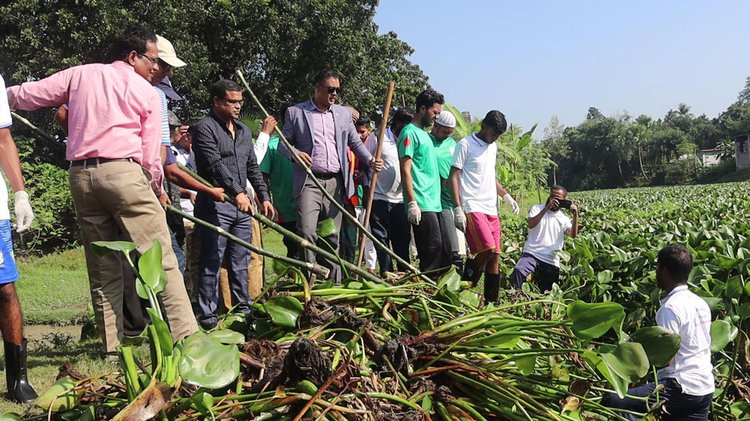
column 112, row 113
column 325, row 157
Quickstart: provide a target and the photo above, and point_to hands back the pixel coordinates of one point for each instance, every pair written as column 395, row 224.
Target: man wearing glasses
column 225, row 157
column 114, row 134
column 319, row 131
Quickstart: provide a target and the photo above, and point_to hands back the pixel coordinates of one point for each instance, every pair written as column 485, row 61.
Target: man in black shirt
column 224, row 156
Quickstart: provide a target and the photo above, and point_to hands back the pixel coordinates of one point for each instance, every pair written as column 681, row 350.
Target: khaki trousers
column 254, row 271
column 113, row 197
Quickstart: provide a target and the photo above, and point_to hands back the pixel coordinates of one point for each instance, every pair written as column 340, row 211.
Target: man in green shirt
column 277, row 172
column 421, row 183
column 445, row 145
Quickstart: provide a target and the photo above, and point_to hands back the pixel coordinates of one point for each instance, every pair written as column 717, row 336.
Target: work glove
column 24, row 214
column 513, row 205
column 414, row 214
column 459, row 218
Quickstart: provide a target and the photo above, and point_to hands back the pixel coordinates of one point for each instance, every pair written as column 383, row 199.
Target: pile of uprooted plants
column 409, row 349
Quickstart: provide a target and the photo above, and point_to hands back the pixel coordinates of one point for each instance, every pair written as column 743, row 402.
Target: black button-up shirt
column 226, row 162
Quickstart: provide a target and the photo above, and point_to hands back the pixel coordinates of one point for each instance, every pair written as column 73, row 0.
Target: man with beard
column 548, row 226
column 421, row 184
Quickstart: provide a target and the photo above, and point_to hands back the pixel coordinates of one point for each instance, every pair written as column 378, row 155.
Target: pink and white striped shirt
column 112, row 113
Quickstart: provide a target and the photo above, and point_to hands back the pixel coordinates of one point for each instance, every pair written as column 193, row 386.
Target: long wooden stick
column 285, row 232
column 297, row 160
column 313, row 267
column 374, row 181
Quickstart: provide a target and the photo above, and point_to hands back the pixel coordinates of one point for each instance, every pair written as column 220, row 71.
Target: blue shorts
column 8, row 270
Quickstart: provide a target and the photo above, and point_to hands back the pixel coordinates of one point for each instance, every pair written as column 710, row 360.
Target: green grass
column 54, row 289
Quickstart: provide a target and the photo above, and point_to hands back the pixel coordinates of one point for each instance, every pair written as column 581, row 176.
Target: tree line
column 623, row 151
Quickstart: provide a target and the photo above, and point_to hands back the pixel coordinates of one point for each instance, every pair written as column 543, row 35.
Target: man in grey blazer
column 321, row 134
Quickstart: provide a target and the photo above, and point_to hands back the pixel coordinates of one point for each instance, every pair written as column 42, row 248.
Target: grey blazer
column 298, row 131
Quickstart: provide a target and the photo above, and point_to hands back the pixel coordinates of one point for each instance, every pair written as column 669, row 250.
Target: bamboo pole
column 313, row 267
column 285, row 232
column 31, row 125
column 325, row 193
column 374, row 181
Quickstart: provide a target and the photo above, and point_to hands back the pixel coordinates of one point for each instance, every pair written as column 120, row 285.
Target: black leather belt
column 93, row 162
column 325, row 175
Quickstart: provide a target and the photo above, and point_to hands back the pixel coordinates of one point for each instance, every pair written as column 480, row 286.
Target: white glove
column 459, row 218
column 414, row 214
column 513, row 205
column 24, row 214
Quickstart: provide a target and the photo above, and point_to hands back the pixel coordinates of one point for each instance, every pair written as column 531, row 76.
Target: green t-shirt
column 444, row 153
column 416, row 143
column 279, row 171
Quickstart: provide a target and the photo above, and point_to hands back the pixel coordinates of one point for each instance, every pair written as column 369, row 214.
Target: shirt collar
column 314, row 107
column 675, row 290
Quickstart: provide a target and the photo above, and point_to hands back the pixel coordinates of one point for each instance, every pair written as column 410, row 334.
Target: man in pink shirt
column 114, row 137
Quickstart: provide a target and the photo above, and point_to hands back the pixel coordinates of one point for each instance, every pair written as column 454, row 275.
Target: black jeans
column 679, row 406
column 389, row 225
column 434, row 253
column 546, row 273
column 292, row 247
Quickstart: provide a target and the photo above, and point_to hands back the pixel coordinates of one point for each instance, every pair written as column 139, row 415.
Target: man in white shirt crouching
column 688, row 380
column 547, row 229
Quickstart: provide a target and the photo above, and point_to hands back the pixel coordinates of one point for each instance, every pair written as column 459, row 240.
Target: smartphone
column 565, row 203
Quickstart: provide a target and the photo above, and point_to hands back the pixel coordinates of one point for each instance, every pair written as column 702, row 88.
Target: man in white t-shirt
column 11, row 318
column 548, row 226
column 388, row 216
column 475, row 190
column 688, row 379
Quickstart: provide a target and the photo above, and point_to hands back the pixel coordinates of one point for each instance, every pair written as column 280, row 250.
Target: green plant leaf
column 102, row 248
column 722, row 333
column 326, row 228
column 227, row 337
column 734, row 287
column 617, row 382
column 150, row 268
column 10, row 416
column 208, row 363
column 451, row 280
column 629, row 361
column 660, row 344
column 203, row 402
column 284, row 311
column 591, row 321
column 162, row 332
column 61, row 396
column 470, row 298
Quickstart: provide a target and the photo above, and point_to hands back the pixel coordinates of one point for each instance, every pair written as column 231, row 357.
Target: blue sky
column 535, row 59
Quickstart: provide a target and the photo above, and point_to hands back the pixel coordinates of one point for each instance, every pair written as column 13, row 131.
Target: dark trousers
column 679, row 406
column 348, row 237
column 545, row 273
column 214, row 248
column 389, row 225
column 434, row 253
column 292, row 247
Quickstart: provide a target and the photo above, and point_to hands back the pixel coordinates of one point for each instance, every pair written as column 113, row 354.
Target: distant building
column 742, row 151
column 466, row 115
column 709, row 157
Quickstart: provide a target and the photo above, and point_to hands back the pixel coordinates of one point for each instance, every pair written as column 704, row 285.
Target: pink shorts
column 483, row 232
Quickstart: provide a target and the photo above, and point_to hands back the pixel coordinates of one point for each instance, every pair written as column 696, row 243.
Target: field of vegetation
column 413, row 350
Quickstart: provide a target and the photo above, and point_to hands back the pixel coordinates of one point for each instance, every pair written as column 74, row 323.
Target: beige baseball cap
column 167, row 52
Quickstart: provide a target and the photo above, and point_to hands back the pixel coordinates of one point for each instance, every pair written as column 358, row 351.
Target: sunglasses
column 333, row 89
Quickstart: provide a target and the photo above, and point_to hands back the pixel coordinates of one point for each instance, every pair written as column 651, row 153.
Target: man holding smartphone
column 547, row 229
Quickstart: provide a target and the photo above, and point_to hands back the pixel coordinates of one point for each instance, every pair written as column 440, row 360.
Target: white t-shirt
column 5, row 122
column 182, row 156
column 388, row 187
column 688, row 315
column 477, row 159
column 547, row 237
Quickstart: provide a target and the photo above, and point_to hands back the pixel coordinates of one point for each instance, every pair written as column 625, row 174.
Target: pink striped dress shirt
column 112, row 113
